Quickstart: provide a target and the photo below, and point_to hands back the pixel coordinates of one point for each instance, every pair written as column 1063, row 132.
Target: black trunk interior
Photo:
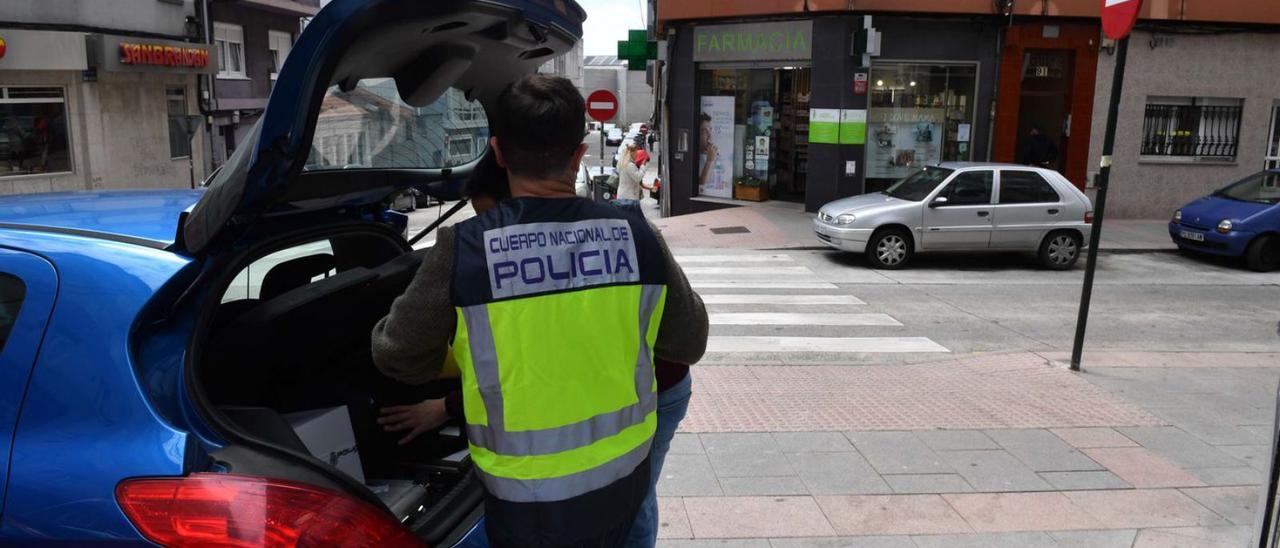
column 303, row 343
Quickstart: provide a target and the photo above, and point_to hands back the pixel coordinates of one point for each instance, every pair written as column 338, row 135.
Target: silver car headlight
column 1224, row 226
column 846, row 219
column 1177, row 216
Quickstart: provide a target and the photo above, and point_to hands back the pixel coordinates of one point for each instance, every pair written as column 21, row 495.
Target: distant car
column 1239, row 220
column 613, row 137
column 963, row 207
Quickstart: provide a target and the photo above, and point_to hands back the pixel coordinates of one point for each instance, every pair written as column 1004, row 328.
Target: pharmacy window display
column 920, row 114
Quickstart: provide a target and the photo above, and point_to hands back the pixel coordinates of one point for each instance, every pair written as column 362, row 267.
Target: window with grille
column 1273, row 139
column 1192, row 127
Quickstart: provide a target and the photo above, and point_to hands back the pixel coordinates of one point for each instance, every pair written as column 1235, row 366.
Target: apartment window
column 279, row 42
column 1192, row 127
column 229, row 40
column 179, row 140
column 33, row 131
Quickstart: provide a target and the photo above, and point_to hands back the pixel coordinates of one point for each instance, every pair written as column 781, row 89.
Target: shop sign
column 860, row 83
column 853, row 126
column 824, row 126
column 125, row 54
column 165, row 56
column 769, row 41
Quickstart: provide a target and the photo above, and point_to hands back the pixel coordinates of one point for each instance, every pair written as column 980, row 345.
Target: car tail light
column 233, row 510
column 1088, row 217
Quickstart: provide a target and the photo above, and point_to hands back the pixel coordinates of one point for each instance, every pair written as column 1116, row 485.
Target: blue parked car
column 1239, row 220
column 193, row 367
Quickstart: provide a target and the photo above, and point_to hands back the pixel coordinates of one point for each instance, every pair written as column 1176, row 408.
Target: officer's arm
column 682, row 335
column 411, row 342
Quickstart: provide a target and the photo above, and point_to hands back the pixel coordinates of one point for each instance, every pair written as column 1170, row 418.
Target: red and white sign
column 860, row 83
column 162, row 56
column 602, row 105
column 1118, row 17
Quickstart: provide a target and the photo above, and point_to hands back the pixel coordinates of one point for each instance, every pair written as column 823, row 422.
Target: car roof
column 988, row 165
column 144, row 217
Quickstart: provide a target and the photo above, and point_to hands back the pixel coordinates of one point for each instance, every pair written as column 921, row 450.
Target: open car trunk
column 300, row 262
column 285, row 362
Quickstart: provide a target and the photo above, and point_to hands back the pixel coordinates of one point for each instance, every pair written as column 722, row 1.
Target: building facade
column 569, row 65
column 634, row 93
column 251, row 38
column 820, row 99
column 97, row 95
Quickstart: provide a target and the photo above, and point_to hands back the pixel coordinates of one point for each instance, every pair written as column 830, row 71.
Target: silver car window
column 969, row 188
column 1026, row 187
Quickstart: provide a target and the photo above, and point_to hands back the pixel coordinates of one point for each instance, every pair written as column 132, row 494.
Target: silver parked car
column 963, row 207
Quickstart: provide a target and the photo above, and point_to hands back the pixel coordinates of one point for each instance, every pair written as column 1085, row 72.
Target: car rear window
column 12, row 293
column 372, row 127
column 1025, row 187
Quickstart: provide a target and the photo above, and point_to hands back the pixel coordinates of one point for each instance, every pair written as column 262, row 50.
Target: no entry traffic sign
column 602, row 105
column 1118, row 17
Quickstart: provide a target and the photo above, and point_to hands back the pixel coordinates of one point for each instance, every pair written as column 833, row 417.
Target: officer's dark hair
column 488, row 179
column 541, row 122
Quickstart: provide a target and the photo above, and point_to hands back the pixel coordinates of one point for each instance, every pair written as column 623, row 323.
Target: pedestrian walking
column 630, row 177
column 557, row 308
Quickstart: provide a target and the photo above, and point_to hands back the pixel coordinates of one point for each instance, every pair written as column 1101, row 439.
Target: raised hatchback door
column 1028, row 207
column 361, row 66
column 28, row 285
column 959, row 217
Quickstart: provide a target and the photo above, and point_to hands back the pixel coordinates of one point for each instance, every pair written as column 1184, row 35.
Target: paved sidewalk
column 1142, row 449
column 778, row 225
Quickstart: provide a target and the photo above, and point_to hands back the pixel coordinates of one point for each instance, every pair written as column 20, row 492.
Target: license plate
column 1194, row 236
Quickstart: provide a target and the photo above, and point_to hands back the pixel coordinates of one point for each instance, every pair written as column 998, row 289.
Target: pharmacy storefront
column 785, row 110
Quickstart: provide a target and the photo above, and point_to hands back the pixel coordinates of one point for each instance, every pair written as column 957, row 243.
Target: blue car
column 193, row 367
column 1239, row 220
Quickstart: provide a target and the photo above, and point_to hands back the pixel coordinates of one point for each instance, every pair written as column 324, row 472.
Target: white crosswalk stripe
column 800, row 318
column 692, row 259
column 720, row 298
column 803, row 305
column 718, row 344
column 699, row 284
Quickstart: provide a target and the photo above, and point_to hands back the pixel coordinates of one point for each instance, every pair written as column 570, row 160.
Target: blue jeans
column 672, row 405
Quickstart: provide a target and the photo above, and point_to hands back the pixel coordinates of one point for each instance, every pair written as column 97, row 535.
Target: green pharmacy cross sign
column 637, row 50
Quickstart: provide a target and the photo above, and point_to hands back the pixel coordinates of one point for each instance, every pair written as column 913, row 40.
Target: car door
column 1026, row 208
column 959, row 215
column 28, row 285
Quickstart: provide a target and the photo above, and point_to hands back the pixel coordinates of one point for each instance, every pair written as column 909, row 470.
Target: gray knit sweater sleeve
column 682, row 335
column 411, row 342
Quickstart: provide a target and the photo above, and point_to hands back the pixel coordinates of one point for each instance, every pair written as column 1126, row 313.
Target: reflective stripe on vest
column 559, row 462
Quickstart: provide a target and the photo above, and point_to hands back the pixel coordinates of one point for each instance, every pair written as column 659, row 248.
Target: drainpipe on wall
column 991, row 119
column 206, row 83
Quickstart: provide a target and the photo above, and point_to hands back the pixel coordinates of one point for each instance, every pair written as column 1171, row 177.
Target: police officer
column 556, row 307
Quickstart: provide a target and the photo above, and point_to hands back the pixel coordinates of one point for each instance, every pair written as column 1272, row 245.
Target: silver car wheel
column 891, row 250
column 1063, row 249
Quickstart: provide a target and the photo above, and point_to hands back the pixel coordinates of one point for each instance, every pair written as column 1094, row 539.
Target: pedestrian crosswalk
column 771, row 307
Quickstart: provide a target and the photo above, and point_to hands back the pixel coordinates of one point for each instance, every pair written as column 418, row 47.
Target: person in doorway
column 560, row 401
column 1039, row 150
column 630, row 177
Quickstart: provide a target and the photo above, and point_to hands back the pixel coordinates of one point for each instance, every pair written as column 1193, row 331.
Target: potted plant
column 751, row 189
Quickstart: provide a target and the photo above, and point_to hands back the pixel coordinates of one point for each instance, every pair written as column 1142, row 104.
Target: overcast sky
column 608, row 22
